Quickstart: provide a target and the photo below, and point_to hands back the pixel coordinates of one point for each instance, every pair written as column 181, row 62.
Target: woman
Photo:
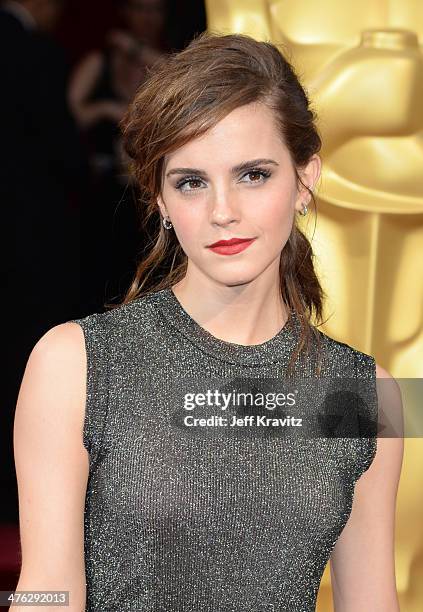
column 100, row 90
column 195, row 505
column 103, row 84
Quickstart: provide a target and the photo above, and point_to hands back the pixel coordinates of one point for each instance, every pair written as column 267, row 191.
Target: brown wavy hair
column 186, row 94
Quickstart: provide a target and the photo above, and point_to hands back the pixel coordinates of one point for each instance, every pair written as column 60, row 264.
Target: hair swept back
column 185, row 94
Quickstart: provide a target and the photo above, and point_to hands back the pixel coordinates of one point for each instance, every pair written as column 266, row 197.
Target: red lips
column 230, row 242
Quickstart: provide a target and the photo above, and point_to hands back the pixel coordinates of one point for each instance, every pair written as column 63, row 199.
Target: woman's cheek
column 189, row 236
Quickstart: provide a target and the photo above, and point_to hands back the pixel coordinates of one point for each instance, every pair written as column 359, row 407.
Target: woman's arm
column 81, row 85
column 363, row 561
column 52, row 465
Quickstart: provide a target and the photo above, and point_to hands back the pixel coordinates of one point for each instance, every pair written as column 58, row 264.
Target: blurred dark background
column 71, row 215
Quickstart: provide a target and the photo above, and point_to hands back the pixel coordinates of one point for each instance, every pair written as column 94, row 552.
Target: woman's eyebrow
column 235, row 170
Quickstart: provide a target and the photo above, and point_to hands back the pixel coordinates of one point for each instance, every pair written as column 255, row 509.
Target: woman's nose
column 224, row 207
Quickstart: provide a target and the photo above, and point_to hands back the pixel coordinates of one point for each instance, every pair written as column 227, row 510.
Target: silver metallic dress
column 192, row 506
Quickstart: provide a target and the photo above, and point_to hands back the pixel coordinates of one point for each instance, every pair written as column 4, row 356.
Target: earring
column 167, row 224
column 304, row 211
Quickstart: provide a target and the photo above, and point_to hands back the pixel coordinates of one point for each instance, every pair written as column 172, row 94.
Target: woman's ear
column 312, row 171
column 309, row 174
column 161, row 206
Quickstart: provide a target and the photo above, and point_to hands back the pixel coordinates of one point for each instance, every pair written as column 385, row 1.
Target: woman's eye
column 257, row 176
column 189, row 184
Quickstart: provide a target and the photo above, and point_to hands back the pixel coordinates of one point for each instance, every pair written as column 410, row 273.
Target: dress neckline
column 275, row 349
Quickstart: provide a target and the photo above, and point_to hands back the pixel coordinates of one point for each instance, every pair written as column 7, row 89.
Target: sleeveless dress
column 183, row 518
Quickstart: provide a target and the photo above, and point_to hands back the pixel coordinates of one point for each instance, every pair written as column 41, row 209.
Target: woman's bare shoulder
column 59, row 339
column 51, row 462
column 54, row 380
column 62, row 348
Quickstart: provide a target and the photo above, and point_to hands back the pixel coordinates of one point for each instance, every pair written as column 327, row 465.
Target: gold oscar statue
column 362, row 66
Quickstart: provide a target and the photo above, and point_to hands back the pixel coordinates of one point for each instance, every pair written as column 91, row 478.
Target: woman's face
column 208, row 198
